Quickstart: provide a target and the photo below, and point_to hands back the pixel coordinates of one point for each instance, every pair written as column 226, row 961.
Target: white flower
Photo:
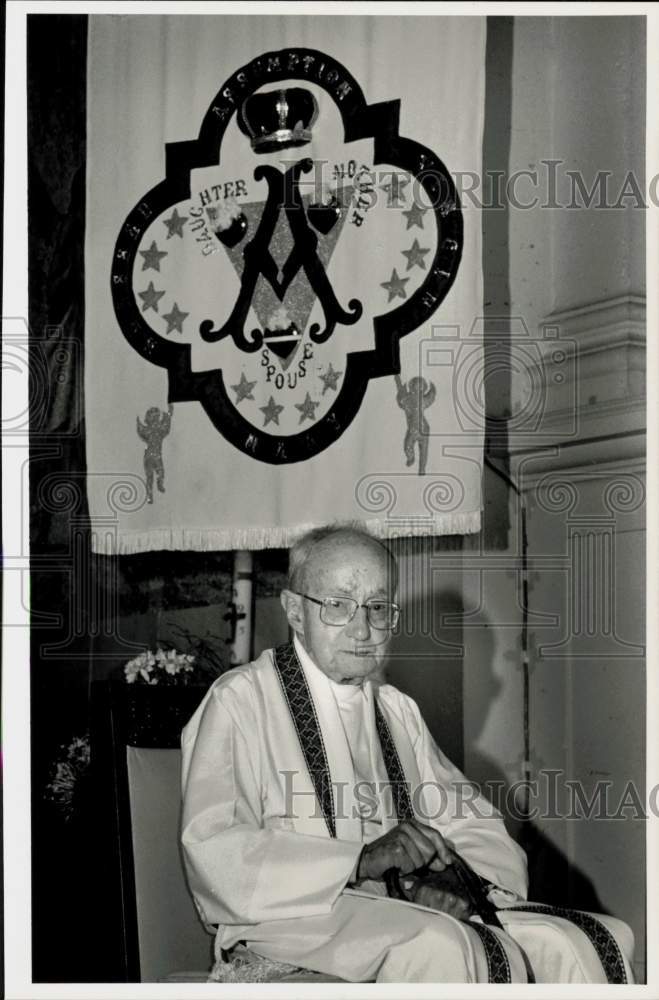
column 147, row 666
column 140, row 666
column 68, row 770
column 132, row 669
column 171, row 664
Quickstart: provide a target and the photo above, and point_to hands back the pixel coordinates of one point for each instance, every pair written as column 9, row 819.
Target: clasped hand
column 407, row 847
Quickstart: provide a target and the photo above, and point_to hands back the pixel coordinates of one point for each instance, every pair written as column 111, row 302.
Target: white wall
column 576, row 95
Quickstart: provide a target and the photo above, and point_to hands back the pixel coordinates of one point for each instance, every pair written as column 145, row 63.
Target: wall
column 570, row 90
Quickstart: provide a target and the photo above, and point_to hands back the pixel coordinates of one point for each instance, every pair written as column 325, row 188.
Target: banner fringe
column 110, row 543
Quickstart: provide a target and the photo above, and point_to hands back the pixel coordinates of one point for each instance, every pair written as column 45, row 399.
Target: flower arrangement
column 162, row 667
column 200, row 664
column 68, row 771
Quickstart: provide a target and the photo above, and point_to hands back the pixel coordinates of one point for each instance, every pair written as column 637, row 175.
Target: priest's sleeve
column 239, row 871
column 464, row 815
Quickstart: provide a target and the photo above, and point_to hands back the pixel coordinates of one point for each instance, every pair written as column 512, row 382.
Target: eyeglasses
column 341, row 611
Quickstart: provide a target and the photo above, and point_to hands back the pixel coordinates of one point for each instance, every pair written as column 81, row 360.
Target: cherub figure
column 155, row 428
column 413, row 398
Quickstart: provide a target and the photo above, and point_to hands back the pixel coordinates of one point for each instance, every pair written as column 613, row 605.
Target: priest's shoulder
column 244, row 678
column 236, row 690
column 400, row 704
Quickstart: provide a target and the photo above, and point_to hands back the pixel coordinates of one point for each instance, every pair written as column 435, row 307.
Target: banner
column 283, row 289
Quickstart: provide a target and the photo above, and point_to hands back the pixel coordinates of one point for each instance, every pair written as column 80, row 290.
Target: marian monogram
column 274, row 269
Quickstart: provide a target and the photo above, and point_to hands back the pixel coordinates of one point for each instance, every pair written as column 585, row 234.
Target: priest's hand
column 408, row 846
column 447, row 900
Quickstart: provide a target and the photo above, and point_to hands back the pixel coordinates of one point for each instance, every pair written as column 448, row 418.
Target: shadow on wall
column 426, row 662
column 429, row 668
column 552, row 877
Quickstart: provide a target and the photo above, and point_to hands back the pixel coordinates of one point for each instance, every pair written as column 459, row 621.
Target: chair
column 147, row 924
column 150, row 927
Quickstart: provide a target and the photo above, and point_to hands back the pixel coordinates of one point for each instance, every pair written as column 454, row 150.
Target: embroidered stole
column 303, row 713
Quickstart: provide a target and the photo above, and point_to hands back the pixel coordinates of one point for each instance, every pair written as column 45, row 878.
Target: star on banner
column 271, row 412
column 414, row 216
column 395, row 286
column 415, row 255
column 330, row 379
column 394, row 189
column 307, row 408
column 150, row 297
column 244, row 389
column 152, row 257
column 175, row 224
column 175, row 319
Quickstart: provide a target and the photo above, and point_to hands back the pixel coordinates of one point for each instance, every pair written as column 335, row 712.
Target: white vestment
column 264, row 868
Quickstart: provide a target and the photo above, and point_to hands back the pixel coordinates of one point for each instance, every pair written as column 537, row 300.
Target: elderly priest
column 322, row 826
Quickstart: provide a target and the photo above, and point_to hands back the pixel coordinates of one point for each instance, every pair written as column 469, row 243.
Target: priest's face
column 345, row 566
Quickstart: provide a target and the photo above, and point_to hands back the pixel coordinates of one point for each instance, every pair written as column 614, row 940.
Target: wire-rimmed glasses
column 341, row 610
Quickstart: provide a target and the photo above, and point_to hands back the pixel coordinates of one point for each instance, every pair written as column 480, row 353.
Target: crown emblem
column 278, row 119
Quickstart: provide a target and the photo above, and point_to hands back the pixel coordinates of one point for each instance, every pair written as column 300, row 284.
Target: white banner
column 283, row 292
